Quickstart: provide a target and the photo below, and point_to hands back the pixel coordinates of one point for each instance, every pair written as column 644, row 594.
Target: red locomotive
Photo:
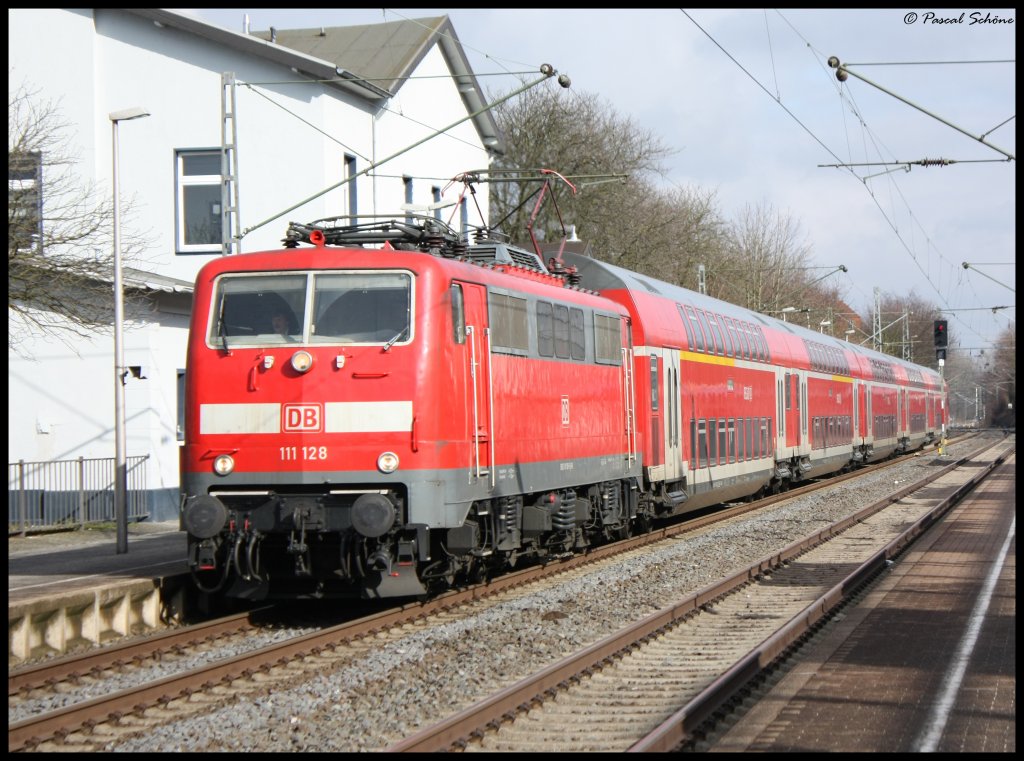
column 392, row 410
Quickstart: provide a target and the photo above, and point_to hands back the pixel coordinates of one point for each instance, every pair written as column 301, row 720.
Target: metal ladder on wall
column 228, row 166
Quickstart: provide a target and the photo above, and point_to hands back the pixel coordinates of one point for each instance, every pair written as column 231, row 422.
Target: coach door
column 479, row 393
column 791, row 393
column 665, row 410
column 858, row 390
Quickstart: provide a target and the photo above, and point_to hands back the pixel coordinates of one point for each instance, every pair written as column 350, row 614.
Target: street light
column 120, row 465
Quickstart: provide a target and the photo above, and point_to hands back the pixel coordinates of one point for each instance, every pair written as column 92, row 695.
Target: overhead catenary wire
column 848, row 167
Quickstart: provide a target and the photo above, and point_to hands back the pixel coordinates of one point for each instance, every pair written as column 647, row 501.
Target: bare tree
column 1000, row 379
column 602, row 154
column 765, row 266
column 613, row 203
column 60, row 228
column 908, row 323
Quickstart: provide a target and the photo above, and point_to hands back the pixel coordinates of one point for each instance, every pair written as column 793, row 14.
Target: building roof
column 151, row 281
column 369, row 61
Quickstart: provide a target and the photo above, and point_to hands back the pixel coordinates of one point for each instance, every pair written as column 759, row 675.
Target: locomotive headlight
column 302, row 361
column 223, row 464
column 387, row 462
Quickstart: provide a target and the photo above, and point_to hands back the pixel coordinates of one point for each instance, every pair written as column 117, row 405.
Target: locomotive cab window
column 257, row 310
column 262, row 310
column 371, row 307
column 458, row 314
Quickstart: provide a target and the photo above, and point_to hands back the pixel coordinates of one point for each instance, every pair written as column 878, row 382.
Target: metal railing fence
column 70, row 493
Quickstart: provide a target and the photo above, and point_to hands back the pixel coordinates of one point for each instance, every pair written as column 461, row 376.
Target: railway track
column 651, row 686
column 75, row 726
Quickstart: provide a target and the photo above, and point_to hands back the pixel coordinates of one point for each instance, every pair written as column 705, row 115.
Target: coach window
column 729, row 336
column 702, row 443
column 458, row 314
column 744, row 350
column 690, row 341
column 755, row 343
column 722, row 444
column 751, row 452
column 716, row 334
column 709, row 339
column 197, row 210
column 698, row 336
column 654, row 384
column 732, row 440
column 712, row 441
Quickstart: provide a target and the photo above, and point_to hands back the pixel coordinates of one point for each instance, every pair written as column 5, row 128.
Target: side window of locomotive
column 509, row 323
column 561, row 331
column 458, row 314
column 257, row 310
column 545, row 329
column 577, row 336
column 607, row 340
column 370, row 307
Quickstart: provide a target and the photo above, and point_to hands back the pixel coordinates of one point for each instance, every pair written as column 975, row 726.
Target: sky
column 748, row 104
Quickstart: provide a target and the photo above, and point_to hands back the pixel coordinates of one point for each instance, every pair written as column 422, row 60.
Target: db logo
column 302, row 417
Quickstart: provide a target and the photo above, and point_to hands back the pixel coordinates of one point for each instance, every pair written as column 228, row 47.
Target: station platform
column 924, row 662
column 71, row 588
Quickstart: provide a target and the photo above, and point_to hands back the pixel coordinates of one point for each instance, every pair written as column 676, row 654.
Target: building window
column 25, row 200
column 181, row 405
column 198, row 203
column 350, row 175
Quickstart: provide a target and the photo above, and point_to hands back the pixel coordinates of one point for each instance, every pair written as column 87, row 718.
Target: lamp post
column 120, row 464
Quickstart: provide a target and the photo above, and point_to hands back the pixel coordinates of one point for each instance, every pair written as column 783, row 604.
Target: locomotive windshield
column 318, row 308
